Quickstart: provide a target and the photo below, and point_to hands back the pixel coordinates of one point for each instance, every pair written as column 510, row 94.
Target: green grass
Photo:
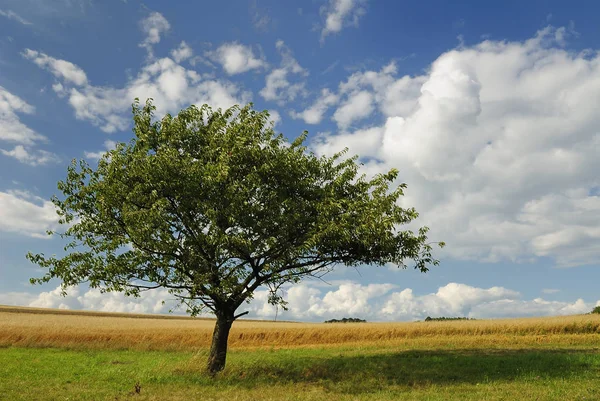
column 372, row 373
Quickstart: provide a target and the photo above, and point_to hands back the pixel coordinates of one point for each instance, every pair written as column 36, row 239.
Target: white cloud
column 573, row 232
column 59, row 89
column 314, row 114
column 108, row 145
column 388, row 302
column 14, row 16
column 14, row 298
column 365, row 142
column 183, row 52
column 172, row 87
column 394, row 96
column 236, row 58
column 461, row 296
column 11, row 128
column 59, row 68
column 275, row 117
column 341, row 13
column 93, row 299
column 277, row 84
column 373, row 302
column 537, row 307
column 31, row 157
column 306, row 302
column 362, row 91
column 26, row 214
column 498, row 144
column 102, row 106
column 154, row 25
column 352, row 299
column 358, row 106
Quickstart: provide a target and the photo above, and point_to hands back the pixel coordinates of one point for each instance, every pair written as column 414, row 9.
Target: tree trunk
column 218, row 348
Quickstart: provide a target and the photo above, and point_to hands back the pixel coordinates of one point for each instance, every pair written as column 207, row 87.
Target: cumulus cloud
column 364, row 142
column 356, row 107
column 108, row 145
column 537, row 307
column 387, row 302
column 14, row 16
column 309, row 303
column 93, row 299
column 13, row 130
column 572, row 235
column 31, row 157
column 171, row 85
column 59, row 68
column 306, row 302
column 181, row 53
column 365, row 92
column 277, row 83
column 154, row 25
column 17, row 298
column 314, row 114
column 395, row 96
column 236, row 58
column 26, row 214
column 275, row 117
column 498, row 143
column 11, row 127
column 341, row 13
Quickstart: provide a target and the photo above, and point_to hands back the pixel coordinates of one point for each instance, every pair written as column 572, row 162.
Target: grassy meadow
column 55, row 355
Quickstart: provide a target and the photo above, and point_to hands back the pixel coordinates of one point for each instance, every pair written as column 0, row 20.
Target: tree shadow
column 360, row 374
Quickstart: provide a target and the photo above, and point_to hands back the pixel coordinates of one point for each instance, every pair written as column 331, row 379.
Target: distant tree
column 596, row 309
column 212, row 205
column 441, row 319
column 346, row 320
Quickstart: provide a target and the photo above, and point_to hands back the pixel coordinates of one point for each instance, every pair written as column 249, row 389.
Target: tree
column 212, row 205
column 596, row 310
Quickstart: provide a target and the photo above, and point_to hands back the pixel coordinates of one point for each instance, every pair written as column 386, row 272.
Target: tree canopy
column 213, row 204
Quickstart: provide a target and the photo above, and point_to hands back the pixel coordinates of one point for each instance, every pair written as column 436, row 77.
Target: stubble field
column 54, row 355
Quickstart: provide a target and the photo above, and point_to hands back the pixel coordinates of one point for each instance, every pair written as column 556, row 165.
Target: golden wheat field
column 31, row 327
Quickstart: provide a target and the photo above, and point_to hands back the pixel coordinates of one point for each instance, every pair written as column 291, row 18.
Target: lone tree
column 212, row 205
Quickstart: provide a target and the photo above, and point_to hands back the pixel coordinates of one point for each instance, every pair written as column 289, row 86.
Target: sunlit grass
column 330, row 373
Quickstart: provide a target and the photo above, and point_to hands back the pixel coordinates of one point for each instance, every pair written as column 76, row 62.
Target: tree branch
column 240, row 315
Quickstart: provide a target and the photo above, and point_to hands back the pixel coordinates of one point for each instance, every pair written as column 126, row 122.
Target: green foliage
column 596, row 310
column 441, row 319
column 346, row 320
column 213, row 204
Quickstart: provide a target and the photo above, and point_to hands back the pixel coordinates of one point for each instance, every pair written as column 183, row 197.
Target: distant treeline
column 431, row 319
column 346, row 320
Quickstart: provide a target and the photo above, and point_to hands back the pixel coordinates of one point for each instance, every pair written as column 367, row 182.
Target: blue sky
column 488, row 109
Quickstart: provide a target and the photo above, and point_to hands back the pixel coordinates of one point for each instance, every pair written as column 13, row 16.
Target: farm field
column 54, row 355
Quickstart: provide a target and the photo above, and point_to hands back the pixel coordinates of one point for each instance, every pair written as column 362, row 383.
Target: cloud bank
column 373, row 302
column 498, row 143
